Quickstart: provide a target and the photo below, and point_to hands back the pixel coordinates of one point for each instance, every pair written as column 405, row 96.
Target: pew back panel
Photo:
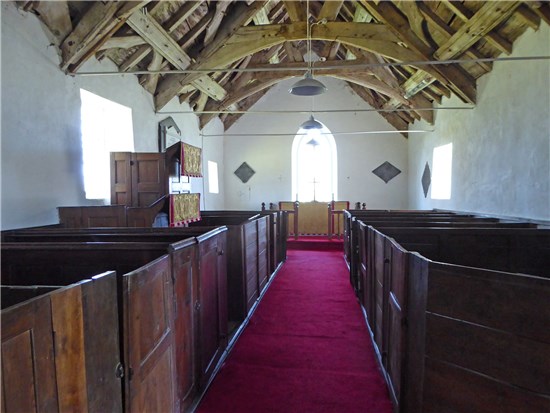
column 477, row 337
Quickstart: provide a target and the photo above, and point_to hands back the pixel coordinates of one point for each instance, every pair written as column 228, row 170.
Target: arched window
column 314, row 168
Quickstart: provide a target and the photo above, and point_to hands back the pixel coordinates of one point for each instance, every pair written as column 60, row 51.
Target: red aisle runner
column 306, row 348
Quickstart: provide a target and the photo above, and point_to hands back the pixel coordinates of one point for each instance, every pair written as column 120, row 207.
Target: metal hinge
column 119, row 371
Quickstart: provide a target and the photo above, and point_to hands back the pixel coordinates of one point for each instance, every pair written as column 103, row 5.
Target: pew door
column 28, row 364
column 149, row 338
column 185, row 276
column 251, row 263
column 263, row 252
column 397, row 308
column 212, row 304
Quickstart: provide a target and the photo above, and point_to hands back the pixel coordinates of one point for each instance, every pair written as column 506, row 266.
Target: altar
column 315, row 218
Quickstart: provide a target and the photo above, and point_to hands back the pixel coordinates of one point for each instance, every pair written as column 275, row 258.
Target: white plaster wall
column 270, row 156
column 501, row 148
column 41, row 146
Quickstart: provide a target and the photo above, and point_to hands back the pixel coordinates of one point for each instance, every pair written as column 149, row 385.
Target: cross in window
column 314, row 182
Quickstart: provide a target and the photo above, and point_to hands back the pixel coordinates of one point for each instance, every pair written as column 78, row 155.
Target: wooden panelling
column 150, row 346
column 452, row 389
column 186, row 287
column 28, row 364
column 69, row 348
column 100, row 308
column 213, row 307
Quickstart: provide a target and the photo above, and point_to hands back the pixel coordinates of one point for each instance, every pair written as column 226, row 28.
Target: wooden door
column 398, row 279
column 251, row 263
column 121, row 178
column 28, row 364
column 185, row 276
column 378, row 281
column 212, row 305
column 149, row 338
column 263, row 252
column 102, row 363
column 149, row 178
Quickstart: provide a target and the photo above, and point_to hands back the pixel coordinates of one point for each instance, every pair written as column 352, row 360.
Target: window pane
column 213, row 177
column 314, row 166
column 106, row 127
column 442, row 172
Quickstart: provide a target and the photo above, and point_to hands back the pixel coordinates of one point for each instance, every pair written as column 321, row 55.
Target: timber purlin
column 466, row 336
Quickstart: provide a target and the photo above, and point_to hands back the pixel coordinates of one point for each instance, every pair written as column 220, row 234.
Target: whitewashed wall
column 41, row 146
column 270, row 156
column 501, row 148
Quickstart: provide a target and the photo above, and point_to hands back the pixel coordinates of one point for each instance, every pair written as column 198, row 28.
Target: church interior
column 269, row 205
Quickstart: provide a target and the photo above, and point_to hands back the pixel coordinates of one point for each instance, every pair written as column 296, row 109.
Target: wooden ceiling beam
column 330, row 10
column 392, row 118
column 161, row 41
column 251, row 39
column 99, row 23
column 149, row 82
column 181, row 15
column 135, row 58
column 296, row 12
column 530, row 18
column 490, row 15
column 542, row 9
column 212, row 29
column 123, row 42
column 196, row 30
column 55, row 15
column 447, row 32
column 491, row 37
column 462, row 84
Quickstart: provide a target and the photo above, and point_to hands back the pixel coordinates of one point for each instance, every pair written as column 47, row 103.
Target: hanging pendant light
column 308, row 86
column 311, row 124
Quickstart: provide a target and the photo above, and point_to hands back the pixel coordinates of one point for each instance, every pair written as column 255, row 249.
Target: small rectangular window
column 106, row 127
column 213, row 177
column 442, row 172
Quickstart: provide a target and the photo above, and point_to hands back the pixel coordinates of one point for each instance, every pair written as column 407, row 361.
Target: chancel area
column 248, row 206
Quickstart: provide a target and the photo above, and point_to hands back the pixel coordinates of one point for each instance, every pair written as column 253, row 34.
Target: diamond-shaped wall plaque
column 244, row 172
column 386, row 172
column 426, row 179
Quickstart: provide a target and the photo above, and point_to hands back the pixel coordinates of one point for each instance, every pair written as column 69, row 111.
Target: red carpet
column 306, row 348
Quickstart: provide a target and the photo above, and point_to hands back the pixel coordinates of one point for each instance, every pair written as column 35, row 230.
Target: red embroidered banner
column 184, row 208
column 191, row 160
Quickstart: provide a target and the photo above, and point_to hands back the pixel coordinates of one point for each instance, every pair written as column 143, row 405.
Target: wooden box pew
column 350, row 216
column 501, row 248
column 247, row 261
column 174, row 316
column 277, row 230
column 53, row 357
column 523, row 250
column 415, row 221
column 439, row 326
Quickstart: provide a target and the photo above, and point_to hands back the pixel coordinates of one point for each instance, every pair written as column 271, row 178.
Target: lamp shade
column 311, row 123
column 308, row 86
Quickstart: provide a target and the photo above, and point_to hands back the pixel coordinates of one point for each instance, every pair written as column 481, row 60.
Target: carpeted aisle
column 306, row 348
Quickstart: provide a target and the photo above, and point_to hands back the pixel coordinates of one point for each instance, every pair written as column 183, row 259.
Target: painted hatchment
column 184, row 208
column 386, row 172
column 191, row 164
